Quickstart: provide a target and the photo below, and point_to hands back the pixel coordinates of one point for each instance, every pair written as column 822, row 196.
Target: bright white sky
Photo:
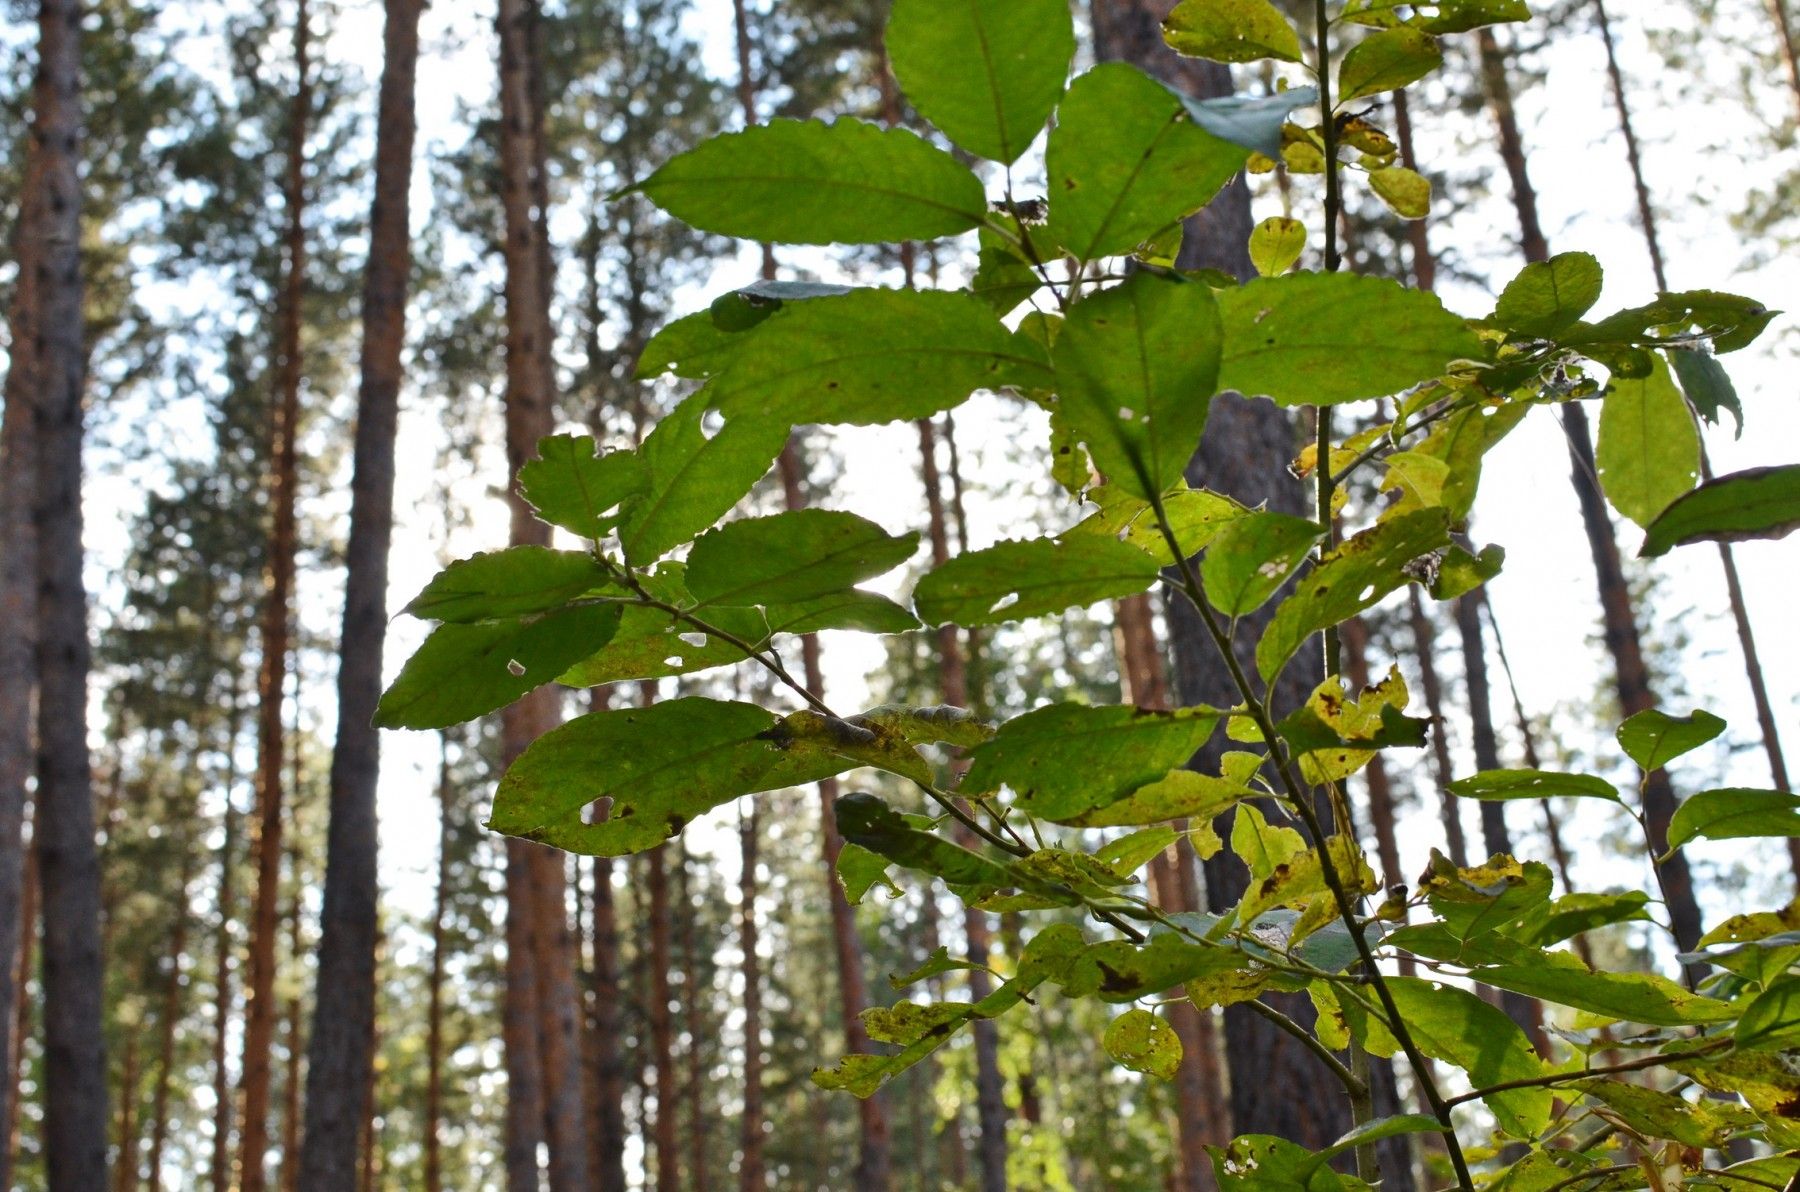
column 1545, row 601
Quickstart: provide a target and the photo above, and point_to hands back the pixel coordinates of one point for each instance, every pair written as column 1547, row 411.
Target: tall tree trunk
column 1245, row 453
column 290, row 1089
column 541, row 1013
column 1785, row 46
column 1375, row 775
column 75, row 1115
column 1623, row 642
column 169, row 1021
column 752, row 1173
column 277, row 612
column 31, row 923
column 341, row 1048
column 1734, row 588
column 692, row 1009
column 662, row 1025
column 1202, row 1117
column 607, row 1030
column 1425, row 652
column 874, row 1158
column 226, row 896
column 434, row 989
column 18, row 611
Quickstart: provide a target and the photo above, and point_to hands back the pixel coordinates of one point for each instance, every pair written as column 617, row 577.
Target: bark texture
column 342, row 1045
column 277, row 612
column 75, row 1095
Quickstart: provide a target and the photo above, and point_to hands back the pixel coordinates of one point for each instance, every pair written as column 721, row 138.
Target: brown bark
column 752, row 1173
column 953, row 682
column 1785, row 46
column 265, row 919
column 692, row 1009
column 662, row 1025
column 341, row 1049
column 1425, row 652
column 75, row 1113
column 18, row 612
column 1375, row 775
column 290, row 1089
column 21, row 1024
column 1201, row 1112
column 606, row 1054
column 1418, row 235
column 168, row 1022
column 370, row 1138
column 434, row 995
column 1244, row 453
column 226, row 895
column 874, row 1160
column 541, row 1010
column 1623, row 642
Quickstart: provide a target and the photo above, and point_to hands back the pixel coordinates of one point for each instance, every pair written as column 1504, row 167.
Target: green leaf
column 1141, row 1041
column 1252, row 556
column 1655, row 1114
column 1011, row 581
column 1455, row 1026
column 1728, row 320
column 1494, row 786
column 1474, row 901
column 804, row 182
column 1740, row 507
column 873, row 356
column 652, row 644
column 1407, row 193
column 939, row 962
column 507, row 584
column 1195, row 515
column 1064, row 760
column 860, row 871
column 1653, row 739
column 1378, row 1129
column 1649, row 448
column 1003, row 278
column 465, row 671
column 1324, row 338
column 695, row 478
column 1135, row 366
column 1735, row 814
column 574, row 485
column 1275, row 244
column 1252, row 122
column 987, row 72
column 789, row 557
column 1632, row 997
column 1707, row 385
column 1178, row 794
column 1126, row 161
column 1772, row 1021
column 1460, row 572
column 1126, row 855
column 1387, row 61
column 851, row 608
column 1549, row 297
column 1121, row 971
column 1572, row 914
column 1352, row 578
column 1460, row 16
column 866, row 820
column 1231, row 31
column 660, row 765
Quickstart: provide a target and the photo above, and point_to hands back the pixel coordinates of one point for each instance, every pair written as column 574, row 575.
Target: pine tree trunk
column 1425, row 653
column 75, row 1114
column 1623, row 642
column 1245, row 453
column 1786, row 47
column 693, row 1010
column 1375, row 775
column 341, row 1048
column 752, row 1174
column 434, row 989
column 662, row 1025
column 290, row 1089
column 265, row 919
column 220, row 1168
column 874, row 1159
column 607, row 1031
column 21, row 1024
column 1201, row 1117
column 1734, row 589
column 169, row 1022
column 541, row 1013
column 18, row 612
